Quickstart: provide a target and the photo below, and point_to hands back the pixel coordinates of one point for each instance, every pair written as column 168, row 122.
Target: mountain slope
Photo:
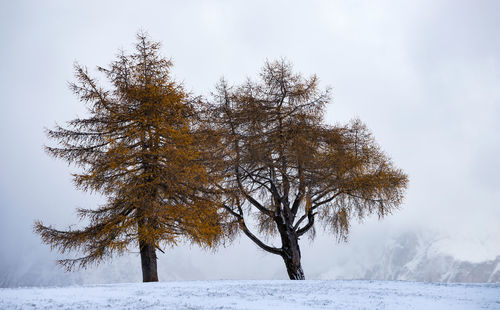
column 414, row 257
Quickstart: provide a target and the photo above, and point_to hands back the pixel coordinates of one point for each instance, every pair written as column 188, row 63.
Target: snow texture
column 257, row 295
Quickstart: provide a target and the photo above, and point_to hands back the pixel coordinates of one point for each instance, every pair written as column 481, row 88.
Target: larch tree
column 285, row 170
column 138, row 148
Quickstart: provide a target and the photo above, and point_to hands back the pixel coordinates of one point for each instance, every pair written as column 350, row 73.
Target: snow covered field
column 257, row 295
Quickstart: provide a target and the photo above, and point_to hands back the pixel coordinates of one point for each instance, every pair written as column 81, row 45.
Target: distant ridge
column 413, row 258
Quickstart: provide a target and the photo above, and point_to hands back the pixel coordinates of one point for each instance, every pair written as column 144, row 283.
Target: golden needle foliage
column 140, row 148
column 288, row 169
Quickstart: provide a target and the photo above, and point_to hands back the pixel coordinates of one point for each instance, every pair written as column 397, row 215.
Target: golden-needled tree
column 139, row 148
column 286, row 170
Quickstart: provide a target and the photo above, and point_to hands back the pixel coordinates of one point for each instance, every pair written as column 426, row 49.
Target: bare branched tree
column 286, row 170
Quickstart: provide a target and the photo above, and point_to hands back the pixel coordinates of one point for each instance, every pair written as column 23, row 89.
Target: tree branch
column 310, row 223
column 244, row 228
column 256, row 240
column 318, row 204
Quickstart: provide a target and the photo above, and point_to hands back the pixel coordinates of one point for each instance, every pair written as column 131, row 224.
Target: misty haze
column 414, row 87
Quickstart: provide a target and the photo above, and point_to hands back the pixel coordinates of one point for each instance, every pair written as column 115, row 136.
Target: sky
column 424, row 76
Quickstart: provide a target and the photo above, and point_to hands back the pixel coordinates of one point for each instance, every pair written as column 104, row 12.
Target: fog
column 423, row 75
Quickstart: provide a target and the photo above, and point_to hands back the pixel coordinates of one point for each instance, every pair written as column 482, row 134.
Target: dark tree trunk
column 291, row 251
column 148, row 262
column 291, row 257
column 148, row 254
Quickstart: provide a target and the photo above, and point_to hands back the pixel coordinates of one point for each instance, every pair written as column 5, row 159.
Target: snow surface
column 257, row 295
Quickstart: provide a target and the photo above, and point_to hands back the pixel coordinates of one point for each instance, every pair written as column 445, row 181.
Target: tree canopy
column 139, row 147
column 286, row 170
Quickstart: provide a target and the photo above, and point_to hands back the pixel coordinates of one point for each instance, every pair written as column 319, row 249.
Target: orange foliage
column 288, row 169
column 140, row 148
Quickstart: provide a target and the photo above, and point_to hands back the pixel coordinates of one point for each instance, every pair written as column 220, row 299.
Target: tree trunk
column 291, row 257
column 148, row 254
column 291, row 252
column 148, row 262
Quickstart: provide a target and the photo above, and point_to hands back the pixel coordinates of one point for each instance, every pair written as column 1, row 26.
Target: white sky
column 423, row 75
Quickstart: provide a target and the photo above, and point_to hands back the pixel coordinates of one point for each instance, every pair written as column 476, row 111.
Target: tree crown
column 282, row 160
column 140, row 148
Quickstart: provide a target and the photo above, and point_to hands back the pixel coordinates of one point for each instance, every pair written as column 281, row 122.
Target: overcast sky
column 423, row 75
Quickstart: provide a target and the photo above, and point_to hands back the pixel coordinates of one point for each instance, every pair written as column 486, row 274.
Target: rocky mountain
column 413, row 257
